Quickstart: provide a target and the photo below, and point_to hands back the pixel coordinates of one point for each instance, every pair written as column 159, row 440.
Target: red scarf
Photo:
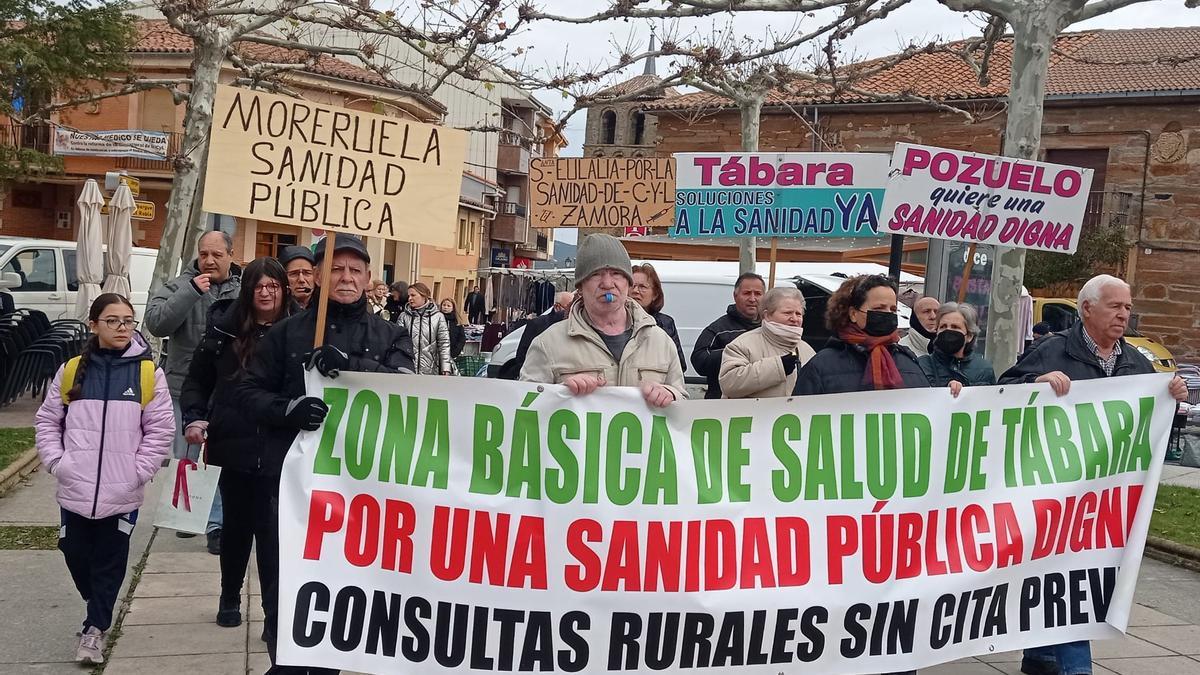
column 881, row 372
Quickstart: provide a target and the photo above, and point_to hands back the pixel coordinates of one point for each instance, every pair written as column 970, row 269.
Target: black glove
column 789, row 363
column 306, row 412
column 328, row 360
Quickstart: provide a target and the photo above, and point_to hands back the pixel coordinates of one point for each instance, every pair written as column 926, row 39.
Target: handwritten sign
column 318, row 166
column 602, row 191
column 807, row 194
column 984, row 199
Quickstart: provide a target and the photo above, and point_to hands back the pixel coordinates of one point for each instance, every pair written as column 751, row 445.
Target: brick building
column 624, row 128
column 44, row 206
column 1123, row 102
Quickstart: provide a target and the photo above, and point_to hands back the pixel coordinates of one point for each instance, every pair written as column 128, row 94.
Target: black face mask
column 949, row 342
column 880, row 323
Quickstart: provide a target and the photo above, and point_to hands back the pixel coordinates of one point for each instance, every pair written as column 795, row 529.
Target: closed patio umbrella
column 89, row 254
column 119, row 238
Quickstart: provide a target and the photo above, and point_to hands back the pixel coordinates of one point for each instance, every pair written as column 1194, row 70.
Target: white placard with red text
column 984, row 199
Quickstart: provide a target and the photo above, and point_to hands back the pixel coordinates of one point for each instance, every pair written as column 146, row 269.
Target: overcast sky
column 587, row 47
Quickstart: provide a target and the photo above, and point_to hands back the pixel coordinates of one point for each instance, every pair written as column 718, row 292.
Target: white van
column 697, row 292
column 40, row 274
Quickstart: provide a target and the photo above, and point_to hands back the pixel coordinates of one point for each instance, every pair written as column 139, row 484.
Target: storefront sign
column 501, row 257
column 601, row 191
column 297, row 162
column 974, row 198
column 809, row 194
column 445, row 525
column 115, row 143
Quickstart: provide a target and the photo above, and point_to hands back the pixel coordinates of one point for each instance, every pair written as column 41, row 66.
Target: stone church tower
column 624, row 129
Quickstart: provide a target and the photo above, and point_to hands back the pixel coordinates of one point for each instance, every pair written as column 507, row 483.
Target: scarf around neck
column 784, row 334
column 881, row 372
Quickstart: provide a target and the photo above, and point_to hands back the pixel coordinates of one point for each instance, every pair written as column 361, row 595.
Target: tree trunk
column 177, row 244
column 751, row 110
column 1033, row 41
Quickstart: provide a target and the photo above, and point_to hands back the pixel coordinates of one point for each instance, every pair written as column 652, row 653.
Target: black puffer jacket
column 209, row 394
column 839, row 368
column 1067, row 352
column 276, row 373
column 706, row 356
column 667, row 323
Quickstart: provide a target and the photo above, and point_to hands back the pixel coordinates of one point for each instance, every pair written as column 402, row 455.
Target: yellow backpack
column 72, row 366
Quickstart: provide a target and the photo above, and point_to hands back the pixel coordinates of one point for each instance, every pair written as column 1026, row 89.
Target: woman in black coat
column 863, row 354
column 213, row 415
column 647, row 290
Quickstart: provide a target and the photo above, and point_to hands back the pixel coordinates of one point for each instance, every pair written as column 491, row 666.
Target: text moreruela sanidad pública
column 312, row 155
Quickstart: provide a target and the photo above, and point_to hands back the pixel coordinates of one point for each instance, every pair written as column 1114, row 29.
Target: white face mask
column 786, row 333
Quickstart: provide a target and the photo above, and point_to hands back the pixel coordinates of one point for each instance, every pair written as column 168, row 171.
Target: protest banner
column 297, row 162
column 984, row 199
column 602, row 191
column 758, row 194
column 114, row 143
column 439, row 525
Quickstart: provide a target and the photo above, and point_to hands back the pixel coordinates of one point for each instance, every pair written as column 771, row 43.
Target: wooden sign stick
column 774, row 256
column 323, row 296
column 966, row 275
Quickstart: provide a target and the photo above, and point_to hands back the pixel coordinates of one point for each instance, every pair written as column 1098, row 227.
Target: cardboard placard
column 984, row 199
column 297, row 162
column 601, row 191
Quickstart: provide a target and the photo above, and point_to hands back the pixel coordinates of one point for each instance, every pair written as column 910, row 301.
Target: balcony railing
column 174, row 143
column 26, row 136
column 510, row 224
column 513, row 155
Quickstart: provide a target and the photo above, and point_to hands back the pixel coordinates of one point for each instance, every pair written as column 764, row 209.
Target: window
column 1059, row 316
column 639, row 128
column 464, row 235
column 71, row 270
column 158, row 110
column 608, row 127
column 37, row 269
column 271, row 244
column 437, row 291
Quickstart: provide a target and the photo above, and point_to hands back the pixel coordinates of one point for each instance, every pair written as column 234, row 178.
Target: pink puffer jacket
column 103, row 448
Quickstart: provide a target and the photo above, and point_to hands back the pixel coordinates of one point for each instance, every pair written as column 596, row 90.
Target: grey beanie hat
column 599, row 252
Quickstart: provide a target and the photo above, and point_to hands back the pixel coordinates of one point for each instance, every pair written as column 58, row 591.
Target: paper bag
column 188, row 495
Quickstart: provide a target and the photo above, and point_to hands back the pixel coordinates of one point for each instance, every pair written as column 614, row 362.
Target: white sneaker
column 91, row 647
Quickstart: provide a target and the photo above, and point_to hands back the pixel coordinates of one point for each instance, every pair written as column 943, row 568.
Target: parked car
column 696, row 293
column 41, row 274
column 1062, row 313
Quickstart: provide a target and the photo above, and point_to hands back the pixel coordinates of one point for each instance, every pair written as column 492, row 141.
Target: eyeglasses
column 642, row 287
column 117, row 324
column 268, row 289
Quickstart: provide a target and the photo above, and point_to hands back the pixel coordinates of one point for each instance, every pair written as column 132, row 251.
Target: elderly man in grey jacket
column 179, row 311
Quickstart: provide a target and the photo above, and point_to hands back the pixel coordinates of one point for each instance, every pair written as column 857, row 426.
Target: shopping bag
column 187, row 496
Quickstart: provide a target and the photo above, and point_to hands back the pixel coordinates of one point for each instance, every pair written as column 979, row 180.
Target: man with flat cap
column 300, row 265
column 273, row 389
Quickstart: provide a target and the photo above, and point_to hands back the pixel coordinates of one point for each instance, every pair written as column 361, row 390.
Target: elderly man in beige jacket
column 607, row 338
column 762, row 363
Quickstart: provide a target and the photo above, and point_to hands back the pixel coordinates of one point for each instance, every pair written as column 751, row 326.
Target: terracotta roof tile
column 158, row 37
column 1093, row 62
column 635, row 84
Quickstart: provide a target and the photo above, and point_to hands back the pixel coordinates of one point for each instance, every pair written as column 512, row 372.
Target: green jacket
column 972, row 370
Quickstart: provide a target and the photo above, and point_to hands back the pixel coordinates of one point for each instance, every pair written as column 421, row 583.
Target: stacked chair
column 31, row 350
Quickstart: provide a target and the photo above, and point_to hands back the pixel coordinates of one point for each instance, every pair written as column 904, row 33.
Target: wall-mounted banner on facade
column 984, row 199
column 795, row 194
column 601, row 191
column 439, row 525
column 288, row 160
column 115, row 143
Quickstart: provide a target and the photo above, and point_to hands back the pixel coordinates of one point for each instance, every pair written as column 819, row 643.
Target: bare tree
column 1035, row 24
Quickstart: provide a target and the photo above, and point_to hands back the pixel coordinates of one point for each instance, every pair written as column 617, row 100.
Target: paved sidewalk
column 170, row 627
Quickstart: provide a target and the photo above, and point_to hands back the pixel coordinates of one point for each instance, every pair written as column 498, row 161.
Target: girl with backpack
column 103, row 431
